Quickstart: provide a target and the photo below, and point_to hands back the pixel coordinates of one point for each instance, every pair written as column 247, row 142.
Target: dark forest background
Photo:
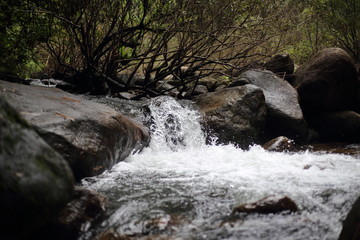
column 104, row 45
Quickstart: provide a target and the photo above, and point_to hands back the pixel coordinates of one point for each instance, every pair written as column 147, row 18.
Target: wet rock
column 272, row 204
column 79, row 212
column 285, row 117
column 351, row 225
column 234, row 115
column 334, row 147
column 35, row 181
column 90, row 136
column 280, row 144
column 282, row 65
column 336, row 126
column 328, row 82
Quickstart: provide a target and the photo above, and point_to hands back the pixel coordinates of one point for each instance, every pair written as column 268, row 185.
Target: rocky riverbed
column 51, row 139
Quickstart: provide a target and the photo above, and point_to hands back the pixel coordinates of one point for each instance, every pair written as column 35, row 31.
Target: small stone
column 198, row 90
column 126, row 95
column 239, row 82
column 280, row 144
column 271, row 204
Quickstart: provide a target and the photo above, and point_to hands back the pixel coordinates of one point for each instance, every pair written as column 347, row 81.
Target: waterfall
column 174, row 126
column 181, row 188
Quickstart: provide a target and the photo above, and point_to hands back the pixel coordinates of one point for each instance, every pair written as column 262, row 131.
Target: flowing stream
column 181, row 188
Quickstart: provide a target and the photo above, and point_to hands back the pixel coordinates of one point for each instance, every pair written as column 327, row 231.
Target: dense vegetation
column 104, row 45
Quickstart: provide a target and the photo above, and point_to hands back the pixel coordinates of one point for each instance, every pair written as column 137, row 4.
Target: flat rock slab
column 91, row 136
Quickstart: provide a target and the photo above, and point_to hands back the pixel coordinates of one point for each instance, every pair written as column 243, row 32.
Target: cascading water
column 174, row 126
column 181, row 188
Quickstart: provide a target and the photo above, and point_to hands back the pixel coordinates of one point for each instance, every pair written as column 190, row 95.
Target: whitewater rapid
column 181, row 188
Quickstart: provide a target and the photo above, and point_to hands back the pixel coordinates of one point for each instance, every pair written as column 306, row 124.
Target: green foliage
column 157, row 38
column 20, row 32
column 342, row 21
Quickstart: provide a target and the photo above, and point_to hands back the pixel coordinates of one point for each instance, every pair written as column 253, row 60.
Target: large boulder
column 285, row 117
column 351, row 226
column 337, row 126
column 35, row 181
column 90, row 136
column 235, row 114
column 328, row 82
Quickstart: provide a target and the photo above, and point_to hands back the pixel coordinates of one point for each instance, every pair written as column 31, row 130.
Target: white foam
column 214, row 177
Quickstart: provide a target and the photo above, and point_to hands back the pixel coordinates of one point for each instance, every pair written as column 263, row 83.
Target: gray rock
column 90, row 136
column 198, row 90
column 239, row 82
column 285, row 117
column 35, row 181
column 234, row 115
column 125, row 95
column 165, row 86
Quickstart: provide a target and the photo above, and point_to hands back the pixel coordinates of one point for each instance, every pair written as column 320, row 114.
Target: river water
column 181, row 188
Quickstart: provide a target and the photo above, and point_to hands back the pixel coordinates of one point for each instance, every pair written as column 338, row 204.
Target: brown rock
column 281, row 64
column 334, row 147
column 280, row 144
column 272, row 204
column 336, row 126
column 328, row 81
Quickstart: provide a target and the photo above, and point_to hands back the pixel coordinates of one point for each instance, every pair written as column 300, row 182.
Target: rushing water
column 181, row 188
